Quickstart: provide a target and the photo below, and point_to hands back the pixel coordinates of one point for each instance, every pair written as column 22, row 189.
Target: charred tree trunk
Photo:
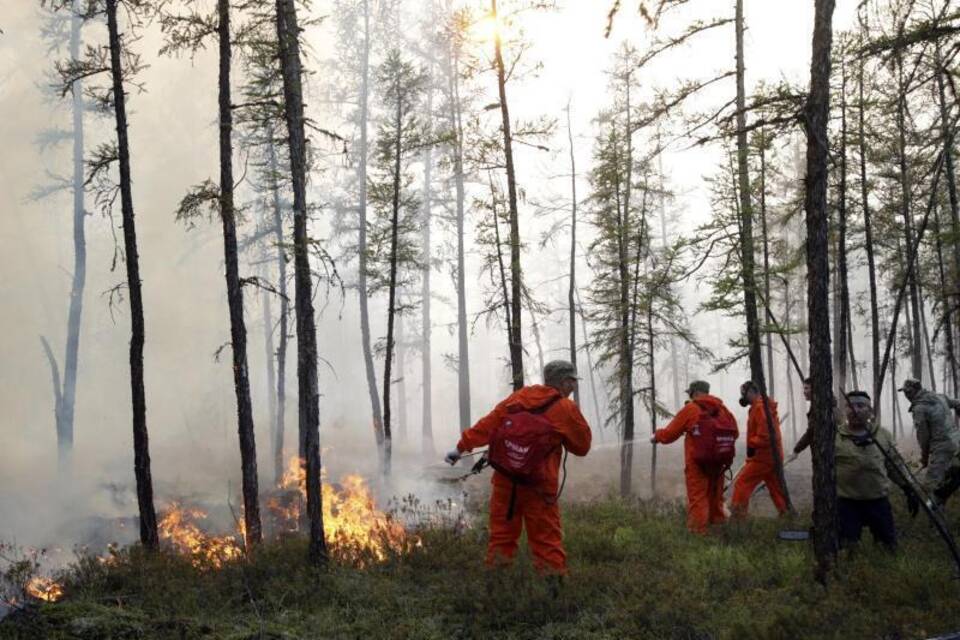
column 141, row 444
column 817, row 110
column 392, row 287
column 238, row 330
column 307, row 383
column 516, row 296
column 364, row 295
column 571, row 303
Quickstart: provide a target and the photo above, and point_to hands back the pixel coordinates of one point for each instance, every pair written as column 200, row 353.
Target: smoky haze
column 191, row 411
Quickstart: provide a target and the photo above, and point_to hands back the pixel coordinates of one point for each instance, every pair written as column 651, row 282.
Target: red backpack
column 520, row 444
column 714, row 439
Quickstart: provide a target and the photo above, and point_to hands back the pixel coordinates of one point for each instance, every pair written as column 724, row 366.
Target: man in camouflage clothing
column 938, row 437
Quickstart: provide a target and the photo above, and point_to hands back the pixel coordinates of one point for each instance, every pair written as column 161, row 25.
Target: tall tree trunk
column 652, row 372
column 463, row 345
column 426, row 339
column 71, row 357
column 894, row 409
column 141, row 443
column 364, row 295
column 626, row 352
column 500, row 264
column 238, row 330
column 516, row 298
column 307, row 383
column 875, row 332
column 766, row 254
column 843, row 284
column 951, row 362
column 748, row 272
column 925, row 332
column 279, row 465
column 952, row 293
column 572, row 317
column 392, row 290
column 817, row 110
column 916, row 354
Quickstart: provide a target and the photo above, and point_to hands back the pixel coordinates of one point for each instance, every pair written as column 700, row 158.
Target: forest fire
column 354, row 528
column 178, row 528
column 45, row 589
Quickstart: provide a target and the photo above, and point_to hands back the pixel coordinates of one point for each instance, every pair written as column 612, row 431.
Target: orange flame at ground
column 354, row 528
column 44, row 589
column 178, row 528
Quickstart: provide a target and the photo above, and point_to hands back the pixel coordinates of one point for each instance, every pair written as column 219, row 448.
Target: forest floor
column 635, row 573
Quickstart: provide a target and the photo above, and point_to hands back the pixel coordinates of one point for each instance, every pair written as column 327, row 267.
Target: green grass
column 635, row 573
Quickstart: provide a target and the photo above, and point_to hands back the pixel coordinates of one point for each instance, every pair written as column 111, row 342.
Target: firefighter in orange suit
column 704, row 490
column 759, row 466
column 535, row 506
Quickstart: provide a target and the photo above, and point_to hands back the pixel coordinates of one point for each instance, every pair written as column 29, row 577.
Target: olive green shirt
column 863, row 472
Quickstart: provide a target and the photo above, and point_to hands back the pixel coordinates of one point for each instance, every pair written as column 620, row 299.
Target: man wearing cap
column 864, row 474
column 534, row 506
column 704, row 489
column 936, row 430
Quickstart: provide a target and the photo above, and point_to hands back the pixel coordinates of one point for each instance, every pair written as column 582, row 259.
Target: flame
column 44, row 589
column 354, row 528
column 179, row 530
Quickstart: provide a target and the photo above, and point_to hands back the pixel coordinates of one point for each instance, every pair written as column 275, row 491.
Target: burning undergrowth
column 210, row 537
column 356, row 530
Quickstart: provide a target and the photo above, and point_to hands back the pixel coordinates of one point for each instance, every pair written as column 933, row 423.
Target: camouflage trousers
column 942, row 477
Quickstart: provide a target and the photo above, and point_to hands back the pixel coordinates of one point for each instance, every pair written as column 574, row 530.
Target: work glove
column 751, row 452
column 452, row 457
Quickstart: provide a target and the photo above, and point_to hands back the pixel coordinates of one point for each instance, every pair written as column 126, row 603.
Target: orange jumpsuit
column 704, row 491
column 536, row 506
column 759, row 467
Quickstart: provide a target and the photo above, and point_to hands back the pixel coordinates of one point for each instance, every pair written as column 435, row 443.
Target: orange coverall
column 704, row 491
column 535, row 506
column 759, row 467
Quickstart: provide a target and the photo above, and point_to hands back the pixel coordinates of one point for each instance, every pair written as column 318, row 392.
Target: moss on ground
column 635, row 573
